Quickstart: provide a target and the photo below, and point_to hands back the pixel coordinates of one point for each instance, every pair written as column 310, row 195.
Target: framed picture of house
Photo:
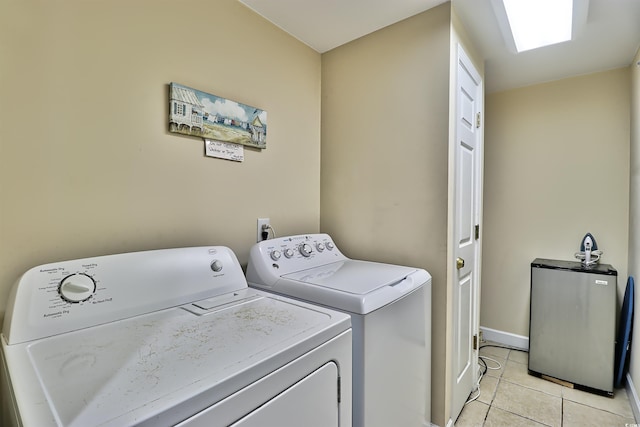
column 196, row 113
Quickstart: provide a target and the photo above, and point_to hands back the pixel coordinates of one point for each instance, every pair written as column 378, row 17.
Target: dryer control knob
column 288, row 253
column 216, row 265
column 275, row 255
column 77, row 287
column 320, row 246
column 330, row 246
column 306, row 249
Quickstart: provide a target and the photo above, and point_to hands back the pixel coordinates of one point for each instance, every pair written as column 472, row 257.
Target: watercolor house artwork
column 196, row 113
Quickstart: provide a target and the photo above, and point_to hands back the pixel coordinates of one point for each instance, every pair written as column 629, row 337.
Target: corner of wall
column 634, row 225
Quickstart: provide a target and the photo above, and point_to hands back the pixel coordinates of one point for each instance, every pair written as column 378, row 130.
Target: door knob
column 459, row 263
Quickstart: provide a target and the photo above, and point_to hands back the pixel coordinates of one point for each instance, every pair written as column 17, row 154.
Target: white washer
column 169, row 337
column 390, row 308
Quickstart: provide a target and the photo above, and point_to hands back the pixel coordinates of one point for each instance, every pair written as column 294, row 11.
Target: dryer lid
column 157, row 369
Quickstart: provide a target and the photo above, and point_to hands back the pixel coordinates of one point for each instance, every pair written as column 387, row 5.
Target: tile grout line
column 501, row 378
column 517, row 414
column 514, row 381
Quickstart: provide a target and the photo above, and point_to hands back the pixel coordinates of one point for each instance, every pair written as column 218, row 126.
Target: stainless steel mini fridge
column 572, row 326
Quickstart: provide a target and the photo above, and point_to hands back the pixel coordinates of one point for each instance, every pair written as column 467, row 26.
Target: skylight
column 537, row 23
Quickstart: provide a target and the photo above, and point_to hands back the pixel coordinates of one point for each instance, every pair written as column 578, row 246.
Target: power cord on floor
column 505, row 346
column 477, row 388
column 481, row 373
column 483, row 360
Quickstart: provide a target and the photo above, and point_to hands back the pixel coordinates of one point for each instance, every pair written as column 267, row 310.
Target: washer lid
column 351, row 285
column 353, row 277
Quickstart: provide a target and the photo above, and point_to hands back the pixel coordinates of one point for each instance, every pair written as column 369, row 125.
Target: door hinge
column 475, row 342
column 339, row 391
column 477, row 231
column 478, row 120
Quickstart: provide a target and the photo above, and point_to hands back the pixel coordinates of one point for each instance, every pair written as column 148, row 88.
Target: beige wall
column 87, row 166
column 556, row 167
column 385, row 101
column 634, row 213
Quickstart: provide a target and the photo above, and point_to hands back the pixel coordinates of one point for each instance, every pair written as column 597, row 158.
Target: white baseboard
column 633, row 398
column 505, row 338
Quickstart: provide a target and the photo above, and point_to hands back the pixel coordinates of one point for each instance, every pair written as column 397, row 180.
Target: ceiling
column 609, row 39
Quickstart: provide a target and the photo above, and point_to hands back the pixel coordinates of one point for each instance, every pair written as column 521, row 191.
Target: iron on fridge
column 390, row 309
column 589, row 254
column 169, row 337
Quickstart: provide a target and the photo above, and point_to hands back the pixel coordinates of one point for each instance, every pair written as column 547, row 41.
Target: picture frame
column 196, row 113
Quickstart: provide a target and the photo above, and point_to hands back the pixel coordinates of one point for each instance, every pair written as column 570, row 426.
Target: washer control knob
column 77, row 287
column 306, row 249
column 288, row 252
column 330, row 246
column 320, row 246
column 275, row 255
column 216, row 265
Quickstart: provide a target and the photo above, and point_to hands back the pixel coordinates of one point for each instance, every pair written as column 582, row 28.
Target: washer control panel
column 289, row 254
column 70, row 295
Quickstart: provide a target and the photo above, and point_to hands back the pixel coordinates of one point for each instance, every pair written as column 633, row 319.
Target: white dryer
column 390, row 308
column 169, row 337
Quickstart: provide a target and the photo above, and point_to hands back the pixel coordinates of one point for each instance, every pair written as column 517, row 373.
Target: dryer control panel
column 61, row 297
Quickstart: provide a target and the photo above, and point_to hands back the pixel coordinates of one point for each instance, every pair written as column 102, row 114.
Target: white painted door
column 466, row 259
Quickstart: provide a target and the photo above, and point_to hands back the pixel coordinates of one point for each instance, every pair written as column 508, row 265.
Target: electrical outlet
column 259, row 229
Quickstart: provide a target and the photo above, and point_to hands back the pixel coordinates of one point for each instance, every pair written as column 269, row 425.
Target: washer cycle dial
column 306, row 249
column 77, row 287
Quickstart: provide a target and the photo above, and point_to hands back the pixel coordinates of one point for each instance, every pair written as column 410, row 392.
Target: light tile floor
column 509, row 396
